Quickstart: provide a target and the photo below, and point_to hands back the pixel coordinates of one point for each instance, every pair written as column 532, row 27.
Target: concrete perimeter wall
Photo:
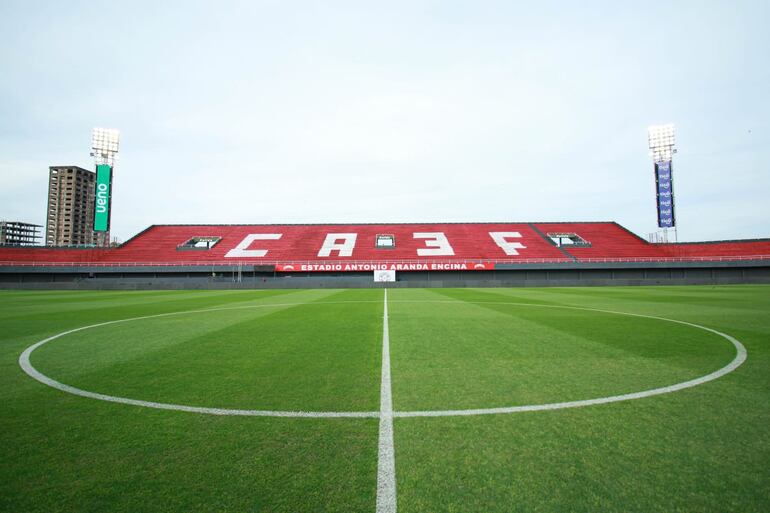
column 544, row 275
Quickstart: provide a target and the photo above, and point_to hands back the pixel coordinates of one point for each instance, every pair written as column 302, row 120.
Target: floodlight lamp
column 105, row 143
column 661, row 141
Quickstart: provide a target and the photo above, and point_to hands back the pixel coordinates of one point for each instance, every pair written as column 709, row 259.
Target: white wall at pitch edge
column 385, row 275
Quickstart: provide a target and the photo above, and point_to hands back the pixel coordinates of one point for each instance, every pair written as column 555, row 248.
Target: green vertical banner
column 103, row 197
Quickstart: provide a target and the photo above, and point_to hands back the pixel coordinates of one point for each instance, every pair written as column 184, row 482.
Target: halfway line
column 386, row 459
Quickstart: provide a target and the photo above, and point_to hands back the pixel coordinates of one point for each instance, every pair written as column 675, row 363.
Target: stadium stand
column 304, row 242
column 39, row 255
column 507, row 243
column 739, row 248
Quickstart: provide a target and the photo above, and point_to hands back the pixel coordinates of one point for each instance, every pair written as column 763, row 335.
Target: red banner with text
column 384, row 266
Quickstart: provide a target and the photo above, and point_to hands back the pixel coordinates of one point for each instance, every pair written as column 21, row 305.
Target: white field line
column 24, row 362
column 386, row 459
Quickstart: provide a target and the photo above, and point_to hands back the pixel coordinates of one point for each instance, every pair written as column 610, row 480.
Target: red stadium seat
column 448, row 242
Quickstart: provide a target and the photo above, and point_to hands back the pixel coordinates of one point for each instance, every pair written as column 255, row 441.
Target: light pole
column 104, row 149
column 661, row 142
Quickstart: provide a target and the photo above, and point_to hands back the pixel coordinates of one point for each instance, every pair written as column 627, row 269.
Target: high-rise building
column 16, row 233
column 70, row 217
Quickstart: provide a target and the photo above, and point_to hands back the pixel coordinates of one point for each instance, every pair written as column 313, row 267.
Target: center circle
column 220, row 338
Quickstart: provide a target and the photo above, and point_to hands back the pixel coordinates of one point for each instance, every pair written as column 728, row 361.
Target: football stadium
column 310, row 309
column 385, row 367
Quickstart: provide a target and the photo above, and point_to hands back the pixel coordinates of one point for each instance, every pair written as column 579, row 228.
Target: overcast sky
column 289, row 112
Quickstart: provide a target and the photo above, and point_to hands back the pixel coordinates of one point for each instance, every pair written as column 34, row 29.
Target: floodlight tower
column 104, row 149
column 661, row 144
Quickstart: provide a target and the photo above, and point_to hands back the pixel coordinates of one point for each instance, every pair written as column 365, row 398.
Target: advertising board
column 385, row 275
column 664, row 186
column 102, row 198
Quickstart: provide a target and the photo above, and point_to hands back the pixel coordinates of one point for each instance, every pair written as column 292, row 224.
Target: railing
column 721, row 258
column 249, row 263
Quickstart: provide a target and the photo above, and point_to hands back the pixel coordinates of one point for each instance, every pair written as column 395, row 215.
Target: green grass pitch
column 701, row 449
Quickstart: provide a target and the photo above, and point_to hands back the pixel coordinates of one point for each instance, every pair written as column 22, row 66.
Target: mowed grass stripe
column 25, row 326
column 601, row 334
column 94, row 348
column 696, row 303
column 64, row 314
column 80, row 455
column 464, row 355
column 149, row 302
column 321, row 356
